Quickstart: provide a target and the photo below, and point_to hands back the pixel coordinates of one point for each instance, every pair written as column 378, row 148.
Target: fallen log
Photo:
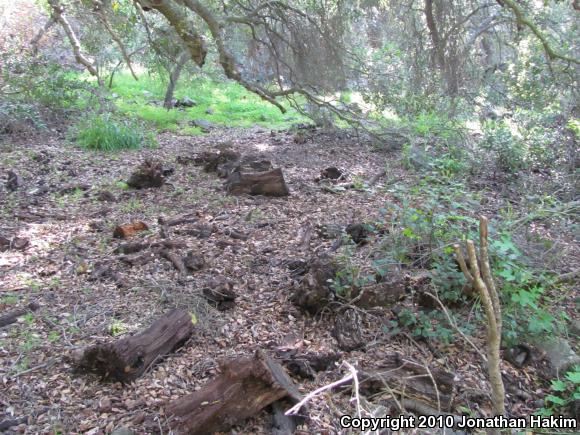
column 128, row 358
column 12, row 316
column 246, row 386
column 260, row 183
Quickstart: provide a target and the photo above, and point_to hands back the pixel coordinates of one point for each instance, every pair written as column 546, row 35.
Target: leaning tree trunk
column 173, row 79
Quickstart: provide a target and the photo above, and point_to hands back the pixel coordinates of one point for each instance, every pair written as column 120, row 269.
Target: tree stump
column 246, row 386
column 128, row 358
column 260, row 183
column 149, row 174
column 314, row 291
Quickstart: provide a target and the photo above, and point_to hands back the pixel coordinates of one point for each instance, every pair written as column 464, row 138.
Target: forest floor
column 71, row 231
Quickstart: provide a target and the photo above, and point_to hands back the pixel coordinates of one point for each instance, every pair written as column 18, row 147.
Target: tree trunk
column 128, row 358
column 173, row 79
column 246, row 386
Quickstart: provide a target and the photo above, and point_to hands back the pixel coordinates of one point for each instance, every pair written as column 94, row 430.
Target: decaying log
column 127, row 358
column 12, row 316
column 411, row 380
column 131, row 248
column 313, row 293
column 260, row 183
column 245, row 386
column 129, row 230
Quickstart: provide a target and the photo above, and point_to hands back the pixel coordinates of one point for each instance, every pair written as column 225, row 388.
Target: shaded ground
column 72, row 232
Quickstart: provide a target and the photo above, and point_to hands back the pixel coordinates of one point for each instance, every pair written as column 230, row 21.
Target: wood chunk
column 261, row 183
column 129, row 230
column 313, row 293
column 12, row 316
column 348, row 330
column 245, row 386
column 220, row 292
column 384, row 294
column 12, row 181
column 194, row 262
column 128, row 358
column 149, row 174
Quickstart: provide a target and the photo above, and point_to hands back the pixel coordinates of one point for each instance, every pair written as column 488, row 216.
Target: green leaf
column 574, row 377
column 556, row 400
column 558, row 385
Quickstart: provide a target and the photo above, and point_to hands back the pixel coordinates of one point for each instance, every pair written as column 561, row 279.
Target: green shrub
column 17, row 118
column 103, row 133
column 508, row 151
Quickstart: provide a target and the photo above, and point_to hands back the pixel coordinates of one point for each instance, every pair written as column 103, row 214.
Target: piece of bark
column 12, row 316
column 129, row 230
column 133, row 247
column 260, row 183
column 245, row 386
column 149, row 174
column 12, row 181
column 128, row 358
column 348, row 330
column 220, row 292
column 313, row 293
column 193, row 261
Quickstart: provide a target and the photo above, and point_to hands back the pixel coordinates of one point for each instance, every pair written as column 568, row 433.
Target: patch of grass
column 222, row 104
column 104, row 133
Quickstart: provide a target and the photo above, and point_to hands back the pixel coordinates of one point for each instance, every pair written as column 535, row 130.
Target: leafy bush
column 564, row 392
column 509, row 151
column 103, row 133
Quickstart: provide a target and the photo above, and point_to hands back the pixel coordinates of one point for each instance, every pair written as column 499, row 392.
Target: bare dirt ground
column 70, row 233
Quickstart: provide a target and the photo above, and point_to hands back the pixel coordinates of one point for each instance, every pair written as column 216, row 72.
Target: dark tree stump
column 128, row 358
column 245, row 387
column 261, row 183
column 149, row 174
column 313, row 293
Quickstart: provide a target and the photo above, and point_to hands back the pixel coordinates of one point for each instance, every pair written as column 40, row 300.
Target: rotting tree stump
column 269, row 183
column 246, row 386
column 128, row 358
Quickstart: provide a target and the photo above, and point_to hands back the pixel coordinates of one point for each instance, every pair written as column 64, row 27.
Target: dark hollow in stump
column 260, row 183
column 246, row 386
column 128, row 358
